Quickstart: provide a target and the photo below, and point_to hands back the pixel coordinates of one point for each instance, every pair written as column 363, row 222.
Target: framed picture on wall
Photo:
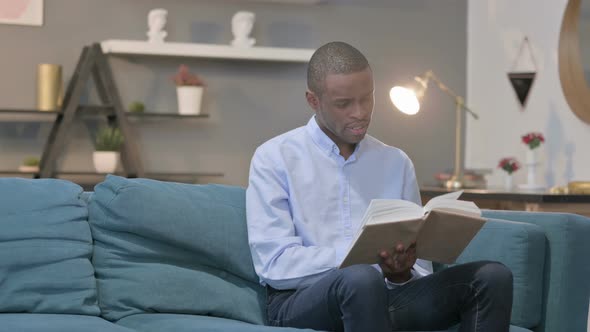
column 21, row 12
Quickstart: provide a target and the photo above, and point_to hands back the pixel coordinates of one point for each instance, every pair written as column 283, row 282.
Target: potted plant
column 136, row 107
column 30, row 165
column 108, row 144
column 189, row 91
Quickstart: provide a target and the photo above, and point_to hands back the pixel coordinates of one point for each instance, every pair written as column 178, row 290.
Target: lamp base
column 456, row 182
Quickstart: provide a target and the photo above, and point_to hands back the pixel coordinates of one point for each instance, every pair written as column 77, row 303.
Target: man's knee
column 362, row 279
column 495, row 275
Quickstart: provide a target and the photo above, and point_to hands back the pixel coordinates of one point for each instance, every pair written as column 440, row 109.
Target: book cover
column 442, row 229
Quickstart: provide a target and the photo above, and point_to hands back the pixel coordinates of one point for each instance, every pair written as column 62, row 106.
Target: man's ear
column 312, row 100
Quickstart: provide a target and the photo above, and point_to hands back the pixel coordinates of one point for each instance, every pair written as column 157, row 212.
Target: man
column 307, row 193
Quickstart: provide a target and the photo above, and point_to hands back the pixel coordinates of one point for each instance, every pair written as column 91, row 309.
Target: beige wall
column 495, row 32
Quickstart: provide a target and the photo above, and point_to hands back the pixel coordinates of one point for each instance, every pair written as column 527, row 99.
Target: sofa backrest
column 173, row 248
column 45, row 248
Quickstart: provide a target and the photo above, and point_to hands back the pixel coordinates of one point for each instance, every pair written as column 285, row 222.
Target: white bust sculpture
column 241, row 26
column 156, row 22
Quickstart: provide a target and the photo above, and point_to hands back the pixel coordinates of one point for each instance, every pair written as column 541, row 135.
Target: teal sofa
column 144, row 255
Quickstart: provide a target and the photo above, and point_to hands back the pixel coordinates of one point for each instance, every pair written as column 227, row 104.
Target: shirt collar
column 324, row 142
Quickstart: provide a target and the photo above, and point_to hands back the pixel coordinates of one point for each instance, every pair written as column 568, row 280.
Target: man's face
column 344, row 108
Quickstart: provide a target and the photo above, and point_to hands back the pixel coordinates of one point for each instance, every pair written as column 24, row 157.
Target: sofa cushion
column 163, row 247
column 45, row 248
column 57, row 323
column 521, row 247
column 192, row 323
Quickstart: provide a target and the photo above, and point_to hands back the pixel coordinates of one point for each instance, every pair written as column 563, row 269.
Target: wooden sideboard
column 497, row 199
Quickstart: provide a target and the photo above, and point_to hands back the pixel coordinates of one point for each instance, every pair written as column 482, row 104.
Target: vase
column 189, row 99
column 532, row 164
column 49, row 87
column 508, row 182
column 532, row 156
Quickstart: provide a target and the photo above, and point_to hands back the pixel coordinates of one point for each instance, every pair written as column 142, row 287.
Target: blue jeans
column 477, row 295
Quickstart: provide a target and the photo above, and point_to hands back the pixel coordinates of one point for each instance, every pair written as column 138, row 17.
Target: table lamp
column 407, row 100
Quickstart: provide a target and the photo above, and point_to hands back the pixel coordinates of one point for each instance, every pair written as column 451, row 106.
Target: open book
column 441, row 229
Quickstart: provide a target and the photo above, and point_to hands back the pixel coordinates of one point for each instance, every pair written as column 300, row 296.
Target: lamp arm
column 456, row 181
column 458, row 99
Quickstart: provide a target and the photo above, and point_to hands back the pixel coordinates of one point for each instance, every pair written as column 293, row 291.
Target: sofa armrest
column 566, row 288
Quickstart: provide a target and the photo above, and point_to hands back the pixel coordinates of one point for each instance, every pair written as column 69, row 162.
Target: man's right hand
column 397, row 263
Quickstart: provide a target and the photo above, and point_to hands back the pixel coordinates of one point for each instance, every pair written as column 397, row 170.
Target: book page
column 391, row 210
column 450, row 202
column 452, row 196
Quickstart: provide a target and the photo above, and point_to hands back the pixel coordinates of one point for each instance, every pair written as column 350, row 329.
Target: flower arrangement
column 509, row 164
column 184, row 77
column 533, row 140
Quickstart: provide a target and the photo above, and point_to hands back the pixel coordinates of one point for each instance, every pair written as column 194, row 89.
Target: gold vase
column 49, row 87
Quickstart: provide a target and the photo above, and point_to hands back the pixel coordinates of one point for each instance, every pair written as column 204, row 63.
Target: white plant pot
column 28, row 169
column 105, row 161
column 189, row 99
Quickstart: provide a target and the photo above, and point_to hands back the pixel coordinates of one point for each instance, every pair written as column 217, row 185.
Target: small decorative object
column 533, row 141
column 108, row 144
column 30, row 165
column 49, row 87
column 23, row 12
column 472, row 178
column 241, row 27
column 579, row 187
column 189, row 90
column 510, row 165
column 156, row 22
column 136, row 107
column 522, row 80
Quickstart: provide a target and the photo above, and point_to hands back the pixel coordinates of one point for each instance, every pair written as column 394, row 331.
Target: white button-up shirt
column 305, row 203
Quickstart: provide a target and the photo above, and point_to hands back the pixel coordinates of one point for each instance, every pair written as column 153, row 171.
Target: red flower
column 533, row 140
column 184, row 77
column 509, row 164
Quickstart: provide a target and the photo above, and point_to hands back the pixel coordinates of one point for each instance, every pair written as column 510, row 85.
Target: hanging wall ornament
column 522, row 80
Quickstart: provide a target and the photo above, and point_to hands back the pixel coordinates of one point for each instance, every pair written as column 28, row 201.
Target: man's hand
column 397, row 263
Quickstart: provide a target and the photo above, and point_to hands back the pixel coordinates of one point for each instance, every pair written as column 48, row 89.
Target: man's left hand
column 397, row 263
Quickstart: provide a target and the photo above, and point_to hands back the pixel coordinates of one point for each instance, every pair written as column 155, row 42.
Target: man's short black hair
column 333, row 58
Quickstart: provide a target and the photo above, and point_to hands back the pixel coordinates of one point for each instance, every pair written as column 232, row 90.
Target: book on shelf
column 441, row 229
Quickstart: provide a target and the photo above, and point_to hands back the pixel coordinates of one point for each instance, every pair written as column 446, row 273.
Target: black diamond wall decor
column 522, row 83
